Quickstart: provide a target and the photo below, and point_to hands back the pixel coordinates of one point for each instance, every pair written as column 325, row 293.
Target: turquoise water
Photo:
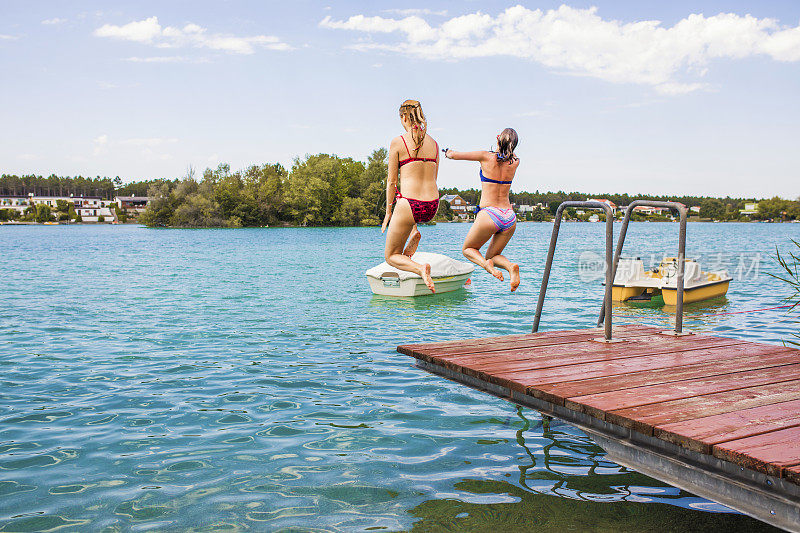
column 247, row 379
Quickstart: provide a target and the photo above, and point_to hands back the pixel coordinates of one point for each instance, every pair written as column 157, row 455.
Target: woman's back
column 493, row 170
column 418, row 168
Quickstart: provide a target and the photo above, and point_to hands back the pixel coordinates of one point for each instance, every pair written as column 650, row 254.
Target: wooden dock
column 716, row 416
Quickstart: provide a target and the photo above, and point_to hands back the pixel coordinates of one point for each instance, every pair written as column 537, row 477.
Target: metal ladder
column 610, row 273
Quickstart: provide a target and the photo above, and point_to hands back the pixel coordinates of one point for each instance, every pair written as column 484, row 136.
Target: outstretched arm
column 479, row 155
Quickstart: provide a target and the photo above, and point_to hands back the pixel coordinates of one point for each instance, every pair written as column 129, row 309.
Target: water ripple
column 229, row 380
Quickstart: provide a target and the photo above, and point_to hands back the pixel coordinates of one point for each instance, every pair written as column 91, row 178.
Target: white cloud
column 149, row 31
column 53, row 21
column 8, row 37
column 579, row 41
column 142, row 31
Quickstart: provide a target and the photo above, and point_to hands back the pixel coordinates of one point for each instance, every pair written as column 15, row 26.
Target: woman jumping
column 414, row 156
column 495, row 218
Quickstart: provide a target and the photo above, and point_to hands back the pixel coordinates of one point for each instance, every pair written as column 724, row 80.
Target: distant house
column 18, row 203
column 695, row 209
column 93, row 213
column 526, row 208
column 86, row 201
column 459, row 206
column 132, row 202
column 647, row 210
column 750, row 208
column 609, row 203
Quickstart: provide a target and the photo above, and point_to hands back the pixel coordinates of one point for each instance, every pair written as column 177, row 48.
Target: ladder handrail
column 681, row 209
column 551, row 251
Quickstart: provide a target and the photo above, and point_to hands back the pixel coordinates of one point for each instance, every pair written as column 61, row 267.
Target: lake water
column 247, row 379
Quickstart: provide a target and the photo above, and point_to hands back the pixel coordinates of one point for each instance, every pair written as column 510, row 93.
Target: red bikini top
column 410, row 159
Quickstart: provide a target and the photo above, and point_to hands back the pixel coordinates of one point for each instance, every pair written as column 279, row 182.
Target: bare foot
column 492, row 270
column 426, row 277
column 412, row 243
column 514, row 276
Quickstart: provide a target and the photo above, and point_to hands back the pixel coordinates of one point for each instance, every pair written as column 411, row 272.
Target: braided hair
column 412, row 110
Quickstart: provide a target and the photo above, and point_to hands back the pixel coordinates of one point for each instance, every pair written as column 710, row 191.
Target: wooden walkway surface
column 735, row 400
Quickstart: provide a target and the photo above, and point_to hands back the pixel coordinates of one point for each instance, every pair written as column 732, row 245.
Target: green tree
column 712, row 208
column 372, row 183
column 445, row 212
column 160, row 209
column 42, row 213
column 773, row 209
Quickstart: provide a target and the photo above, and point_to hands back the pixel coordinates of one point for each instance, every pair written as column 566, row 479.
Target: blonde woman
column 414, row 158
column 495, row 218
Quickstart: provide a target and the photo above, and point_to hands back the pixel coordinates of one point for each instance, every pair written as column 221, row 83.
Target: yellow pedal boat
column 633, row 282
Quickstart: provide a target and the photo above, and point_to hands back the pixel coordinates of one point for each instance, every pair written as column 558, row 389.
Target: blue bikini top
column 490, row 180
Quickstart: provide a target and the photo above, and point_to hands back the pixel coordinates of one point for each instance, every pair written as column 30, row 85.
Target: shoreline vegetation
column 326, row 190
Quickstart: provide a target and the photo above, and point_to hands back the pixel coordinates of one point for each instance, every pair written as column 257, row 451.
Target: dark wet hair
column 506, row 143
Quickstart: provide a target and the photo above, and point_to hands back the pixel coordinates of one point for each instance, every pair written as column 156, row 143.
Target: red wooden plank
column 554, row 363
column 649, row 371
column 701, row 434
column 615, row 364
column 597, row 404
column 571, row 354
column 542, row 334
column 523, row 359
column 531, row 341
column 770, row 452
column 642, row 418
column 554, row 385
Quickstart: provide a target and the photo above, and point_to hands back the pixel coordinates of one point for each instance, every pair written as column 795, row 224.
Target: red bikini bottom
column 423, row 210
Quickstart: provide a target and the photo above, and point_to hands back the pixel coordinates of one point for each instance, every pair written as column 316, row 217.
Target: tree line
column 52, row 185
column 322, row 190
column 319, row 190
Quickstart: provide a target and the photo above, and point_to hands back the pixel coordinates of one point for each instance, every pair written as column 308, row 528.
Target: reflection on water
column 566, row 485
column 199, row 380
column 437, row 302
column 565, row 463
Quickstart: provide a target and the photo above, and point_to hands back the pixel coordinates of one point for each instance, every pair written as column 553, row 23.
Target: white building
column 750, row 208
column 18, row 203
column 648, row 210
column 137, row 203
column 609, row 203
column 93, row 214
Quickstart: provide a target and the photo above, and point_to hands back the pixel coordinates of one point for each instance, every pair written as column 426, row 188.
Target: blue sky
column 703, row 101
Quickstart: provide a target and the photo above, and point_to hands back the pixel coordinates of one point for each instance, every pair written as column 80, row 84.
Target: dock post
column 546, row 276
column 608, row 255
column 681, row 268
column 682, row 211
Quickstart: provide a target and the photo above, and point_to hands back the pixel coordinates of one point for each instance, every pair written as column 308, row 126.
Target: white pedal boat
column 448, row 275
